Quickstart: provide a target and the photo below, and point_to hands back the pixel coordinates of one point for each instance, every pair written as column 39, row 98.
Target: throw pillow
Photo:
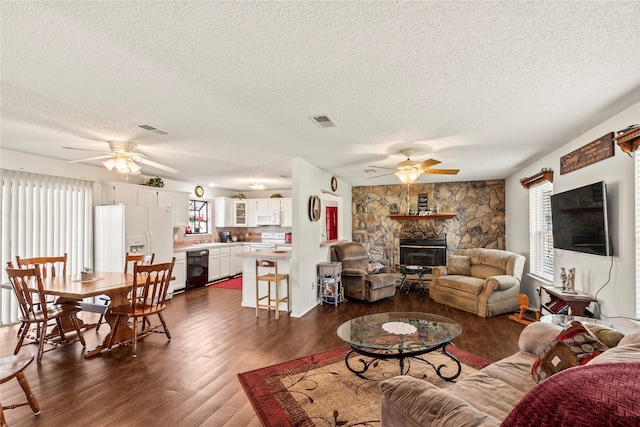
column 374, row 267
column 631, row 338
column 574, row 346
column 608, row 336
column 459, row 264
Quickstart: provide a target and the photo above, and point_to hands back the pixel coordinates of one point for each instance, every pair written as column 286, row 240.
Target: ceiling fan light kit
column 123, row 158
column 408, row 171
column 408, row 176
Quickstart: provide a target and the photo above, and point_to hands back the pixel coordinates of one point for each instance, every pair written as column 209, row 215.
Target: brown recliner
column 356, row 280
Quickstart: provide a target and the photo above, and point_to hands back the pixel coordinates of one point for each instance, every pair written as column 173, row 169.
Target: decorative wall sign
column 314, row 208
column 593, row 152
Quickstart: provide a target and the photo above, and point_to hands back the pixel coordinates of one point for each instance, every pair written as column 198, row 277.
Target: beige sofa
column 482, row 281
column 506, row 391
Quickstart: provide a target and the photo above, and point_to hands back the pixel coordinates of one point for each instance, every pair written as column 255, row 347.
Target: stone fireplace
column 423, row 252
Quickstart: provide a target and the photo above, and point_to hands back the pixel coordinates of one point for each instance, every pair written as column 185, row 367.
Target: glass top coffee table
column 399, row 336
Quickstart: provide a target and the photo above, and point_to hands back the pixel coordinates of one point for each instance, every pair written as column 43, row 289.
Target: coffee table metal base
column 401, row 356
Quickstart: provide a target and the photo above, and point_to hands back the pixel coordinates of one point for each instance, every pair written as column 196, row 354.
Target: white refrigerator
column 138, row 230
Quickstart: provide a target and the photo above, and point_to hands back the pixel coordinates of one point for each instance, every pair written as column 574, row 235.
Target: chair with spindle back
column 13, row 367
column 128, row 259
column 147, row 297
column 27, row 286
column 51, row 266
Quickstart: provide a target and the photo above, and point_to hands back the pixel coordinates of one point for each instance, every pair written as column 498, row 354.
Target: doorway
column 332, row 222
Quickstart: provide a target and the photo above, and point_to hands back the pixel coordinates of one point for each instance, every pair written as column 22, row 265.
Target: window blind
column 541, row 231
column 43, row 216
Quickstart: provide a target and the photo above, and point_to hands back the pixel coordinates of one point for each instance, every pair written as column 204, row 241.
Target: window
column 198, row 217
column 540, row 231
column 43, row 216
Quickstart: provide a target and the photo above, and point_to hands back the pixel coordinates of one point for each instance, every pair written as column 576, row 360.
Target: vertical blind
column 540, row 231
column 43, row 216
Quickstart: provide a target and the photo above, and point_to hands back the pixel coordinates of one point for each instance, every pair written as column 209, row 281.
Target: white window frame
column 541, row 231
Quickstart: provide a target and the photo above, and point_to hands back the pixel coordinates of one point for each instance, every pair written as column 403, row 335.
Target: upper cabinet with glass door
column 240, row 213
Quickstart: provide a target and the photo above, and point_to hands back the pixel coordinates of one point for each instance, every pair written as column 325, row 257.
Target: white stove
column 268, row 242
column 275, row 238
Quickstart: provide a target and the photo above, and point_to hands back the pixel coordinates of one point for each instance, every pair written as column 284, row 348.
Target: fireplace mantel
column 418, row 217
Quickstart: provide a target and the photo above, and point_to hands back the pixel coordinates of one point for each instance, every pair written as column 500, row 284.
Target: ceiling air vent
column 153, row 129
column 323, row 121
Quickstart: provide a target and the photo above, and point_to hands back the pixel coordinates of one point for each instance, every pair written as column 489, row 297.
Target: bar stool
column 271, row 277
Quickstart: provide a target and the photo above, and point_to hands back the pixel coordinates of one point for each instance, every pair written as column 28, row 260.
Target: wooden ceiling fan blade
column 106, row 156
column 442, row 171
column 153, row 164
column 427, row 164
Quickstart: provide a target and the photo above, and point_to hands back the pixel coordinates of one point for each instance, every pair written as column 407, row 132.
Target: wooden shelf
column 418, row 217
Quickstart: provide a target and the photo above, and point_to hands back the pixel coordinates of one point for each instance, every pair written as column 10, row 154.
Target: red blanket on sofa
column 605, row 394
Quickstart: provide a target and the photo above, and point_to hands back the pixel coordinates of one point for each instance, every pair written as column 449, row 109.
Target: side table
column 420, row 286
column 330, row 283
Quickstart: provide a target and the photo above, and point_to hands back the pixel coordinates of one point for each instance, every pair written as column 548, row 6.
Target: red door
column 332, row 222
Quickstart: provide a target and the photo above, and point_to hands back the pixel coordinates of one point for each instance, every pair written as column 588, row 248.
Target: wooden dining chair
column 128, row 259
column 27, row 287
column 51, row 266
column 13, row 367
column 147, row 297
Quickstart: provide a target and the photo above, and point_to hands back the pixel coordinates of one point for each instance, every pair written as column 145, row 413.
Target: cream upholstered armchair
column 357, row 281
column 483, row 281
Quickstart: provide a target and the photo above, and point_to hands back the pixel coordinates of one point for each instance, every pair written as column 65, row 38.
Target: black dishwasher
column 197, row 268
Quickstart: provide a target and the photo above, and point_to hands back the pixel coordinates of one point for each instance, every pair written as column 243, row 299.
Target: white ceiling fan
column 408, row 171
column 123, row 158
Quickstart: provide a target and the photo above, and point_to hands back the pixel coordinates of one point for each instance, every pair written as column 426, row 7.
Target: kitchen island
column 249, row 274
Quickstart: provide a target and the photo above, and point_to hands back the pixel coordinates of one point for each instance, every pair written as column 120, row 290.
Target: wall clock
column 199, row 191
column 314, row 208
column 334, row 183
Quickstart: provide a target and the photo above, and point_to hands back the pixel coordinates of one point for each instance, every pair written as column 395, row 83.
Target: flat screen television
column 579, row 219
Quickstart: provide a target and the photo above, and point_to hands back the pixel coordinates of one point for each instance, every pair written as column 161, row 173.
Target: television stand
column 564, row 303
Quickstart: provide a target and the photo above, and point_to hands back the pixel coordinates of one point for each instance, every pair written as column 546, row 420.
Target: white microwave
column 268, row 218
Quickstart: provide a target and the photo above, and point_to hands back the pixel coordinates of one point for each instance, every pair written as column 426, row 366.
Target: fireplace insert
column 423, row 252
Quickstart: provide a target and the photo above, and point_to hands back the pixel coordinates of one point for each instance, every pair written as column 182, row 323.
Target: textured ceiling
column 485, row 87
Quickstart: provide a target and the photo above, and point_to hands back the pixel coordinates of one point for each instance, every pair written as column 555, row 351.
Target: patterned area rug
column 319, row 390
column 234, row 283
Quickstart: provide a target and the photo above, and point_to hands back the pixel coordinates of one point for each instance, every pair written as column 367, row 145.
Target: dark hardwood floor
column 191, row 380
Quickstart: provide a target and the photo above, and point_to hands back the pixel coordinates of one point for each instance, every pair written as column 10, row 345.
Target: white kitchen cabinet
column 225, row 262
column 268, row 205
column 115, row 193
column 180, row 205
column 214, row 264
column 240, row 213
column 163, row 198
column 118, row 193
column 236, row 261
column 251, row 213
column 224, row 212
column 179, row 272
column 287, row 212
column 148, row 196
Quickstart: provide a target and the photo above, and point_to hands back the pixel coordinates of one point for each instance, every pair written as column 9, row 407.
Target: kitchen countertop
column 269, row 255
column 198, row 246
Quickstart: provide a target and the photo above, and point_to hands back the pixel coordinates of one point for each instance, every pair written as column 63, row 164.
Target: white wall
column 617, row 295
column 309, row 180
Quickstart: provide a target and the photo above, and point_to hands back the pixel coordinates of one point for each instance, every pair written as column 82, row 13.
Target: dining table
column 75, row 288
